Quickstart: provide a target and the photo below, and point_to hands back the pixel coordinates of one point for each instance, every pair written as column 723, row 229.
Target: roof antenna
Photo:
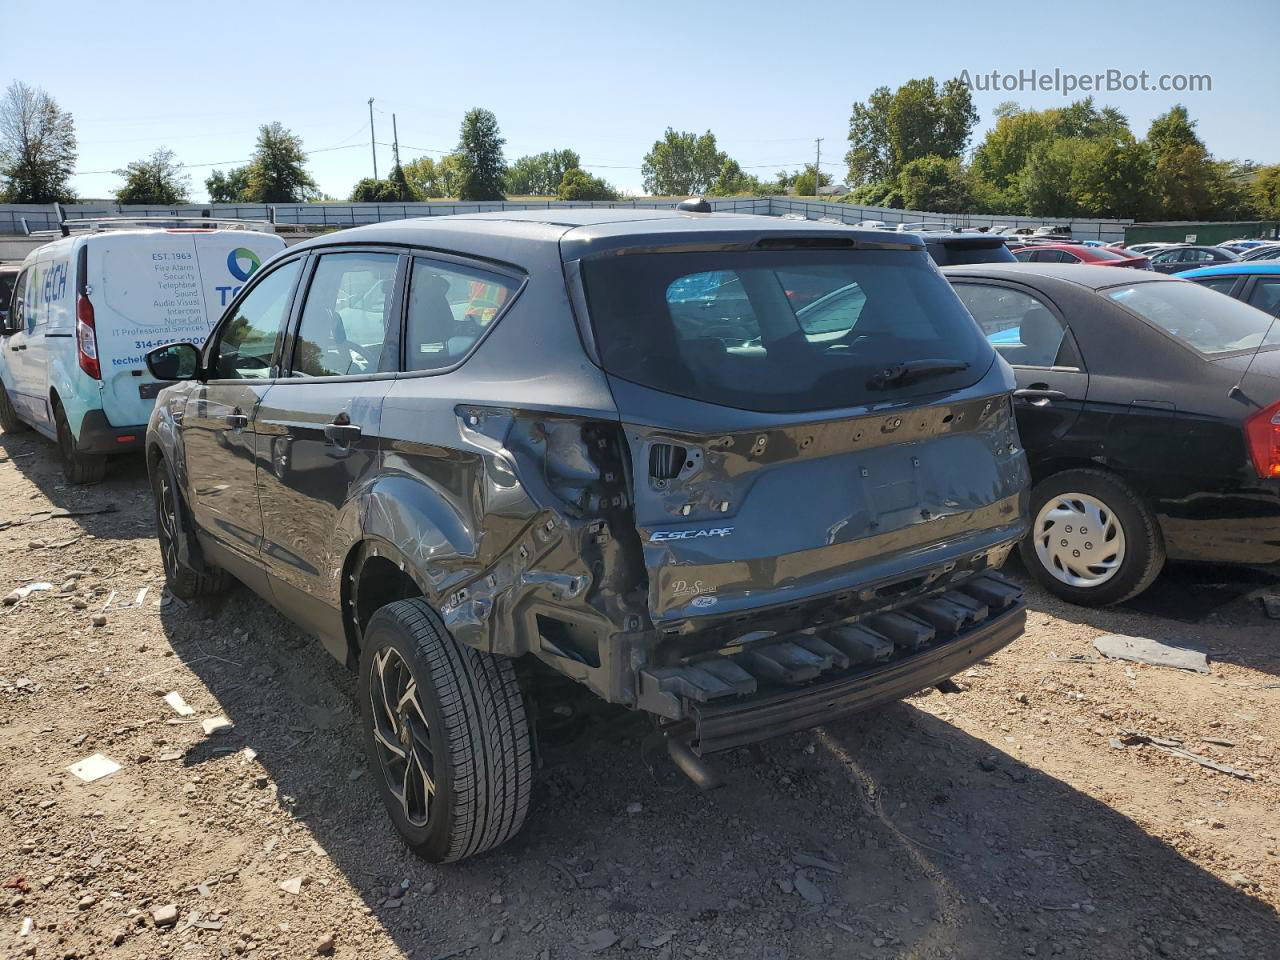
column 694, row 205
column 1235, row 391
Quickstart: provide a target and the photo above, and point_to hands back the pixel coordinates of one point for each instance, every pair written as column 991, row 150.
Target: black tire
column 77, row 468
column 182, row 581
column 1143, row 555
column 466, row 721
column 9, row 421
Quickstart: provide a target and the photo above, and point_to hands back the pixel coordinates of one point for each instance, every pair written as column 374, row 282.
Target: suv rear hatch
column 802, row 423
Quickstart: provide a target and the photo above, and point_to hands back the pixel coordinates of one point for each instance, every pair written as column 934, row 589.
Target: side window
column 1266, row 295
column 450, row 307
column 346, row 315
column 1064, row 257
column 1022, row 329
column 1047, row 256
column 1023, row 255
column 246, row 341
column 1221, row 284
column 1168, row 256
column 18, row 321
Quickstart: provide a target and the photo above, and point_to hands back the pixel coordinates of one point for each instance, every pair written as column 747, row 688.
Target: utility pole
column 373, row 146
column 817, row 168
column 395, row 152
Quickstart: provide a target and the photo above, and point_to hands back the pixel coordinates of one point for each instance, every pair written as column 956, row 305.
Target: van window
column 18, row 307
column 247, row 339
column 780, row 331
column 346, row 316
column 450, row 307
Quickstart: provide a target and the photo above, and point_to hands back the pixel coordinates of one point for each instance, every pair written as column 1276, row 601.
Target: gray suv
column 743, row 474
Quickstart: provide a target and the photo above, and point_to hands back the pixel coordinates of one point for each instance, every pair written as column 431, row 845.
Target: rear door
column 1032, row 334
column 318, row 425
column 778, row 450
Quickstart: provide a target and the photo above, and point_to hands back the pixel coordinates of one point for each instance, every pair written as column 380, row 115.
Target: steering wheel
column 356, row 355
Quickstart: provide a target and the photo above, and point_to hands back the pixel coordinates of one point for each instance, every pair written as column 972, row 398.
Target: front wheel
column 9, row 421
column 446, row 732
column 1093, row 539
column 182, row 581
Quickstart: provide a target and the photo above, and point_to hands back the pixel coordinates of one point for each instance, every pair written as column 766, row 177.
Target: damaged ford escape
column 744, row 474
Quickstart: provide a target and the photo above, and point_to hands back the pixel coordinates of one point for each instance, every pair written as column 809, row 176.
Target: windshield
column 781, row 331
column 1202, row 318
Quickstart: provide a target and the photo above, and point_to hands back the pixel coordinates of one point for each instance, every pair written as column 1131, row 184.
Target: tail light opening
column 87, row 338
column 1262, row 431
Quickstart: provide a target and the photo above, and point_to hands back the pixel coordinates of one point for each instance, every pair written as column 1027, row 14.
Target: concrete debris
column 165, row 916
column 1117, row 646
column 174, row 699
column 808, row 889
column 293, row 885
column 216, row 725
column 94, row 767
column 28, row 927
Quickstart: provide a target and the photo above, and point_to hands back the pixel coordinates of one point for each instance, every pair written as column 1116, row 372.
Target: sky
column 603, row 79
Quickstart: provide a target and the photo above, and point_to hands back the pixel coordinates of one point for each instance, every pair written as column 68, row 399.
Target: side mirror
column 174, row 361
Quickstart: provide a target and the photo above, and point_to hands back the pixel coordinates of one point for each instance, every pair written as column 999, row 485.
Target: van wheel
column 1093, row 540
column 446, row 732
column 182, row 581
column 9, row 421
column 77, row 468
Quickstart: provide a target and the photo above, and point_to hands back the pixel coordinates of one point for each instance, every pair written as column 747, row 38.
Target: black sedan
column 1150, row 410
column 1177, row 259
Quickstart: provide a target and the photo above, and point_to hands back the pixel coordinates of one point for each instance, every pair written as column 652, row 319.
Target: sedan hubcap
column 401, row 735
column 168, row 527
column 1079, row 540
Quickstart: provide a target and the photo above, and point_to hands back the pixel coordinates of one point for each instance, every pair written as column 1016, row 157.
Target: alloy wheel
column 168, row 523
column 402, row 734
column 1079, row 540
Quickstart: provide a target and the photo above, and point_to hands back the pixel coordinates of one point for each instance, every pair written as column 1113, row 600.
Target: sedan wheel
column 1079, row 540
column 1093, row 540
column 401, row 735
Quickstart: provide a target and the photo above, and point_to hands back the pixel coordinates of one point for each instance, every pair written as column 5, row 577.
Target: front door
column 217, row 427
column 26, row 351
column 318, row 430
column 1031, row 334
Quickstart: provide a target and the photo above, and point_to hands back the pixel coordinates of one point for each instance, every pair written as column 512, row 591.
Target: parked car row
column 742, row 474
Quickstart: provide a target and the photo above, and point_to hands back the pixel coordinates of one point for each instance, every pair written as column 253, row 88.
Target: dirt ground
column 1008, row 819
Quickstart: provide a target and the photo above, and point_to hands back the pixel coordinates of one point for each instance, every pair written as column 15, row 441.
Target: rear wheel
column 77, row 468
column 181, row 580
column 1093, row 539
column 9, row 421
column 447, row 735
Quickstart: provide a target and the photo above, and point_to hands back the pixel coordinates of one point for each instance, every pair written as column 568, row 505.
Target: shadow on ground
column 939, row 845
column 126, row 480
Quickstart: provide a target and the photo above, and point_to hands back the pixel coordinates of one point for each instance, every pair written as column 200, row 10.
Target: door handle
column 342, row 432
column 1039, row 396
column 237, row 421
column 18, row 346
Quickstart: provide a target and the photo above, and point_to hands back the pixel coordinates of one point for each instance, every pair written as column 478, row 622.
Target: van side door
column 318, row 429
column 26, row 351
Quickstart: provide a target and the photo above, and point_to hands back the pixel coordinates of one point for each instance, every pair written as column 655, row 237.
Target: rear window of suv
column 780, row 331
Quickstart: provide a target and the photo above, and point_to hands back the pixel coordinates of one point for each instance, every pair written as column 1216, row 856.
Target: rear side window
column 1200, row 318
column 1020, row 326
column 1266, row 295
column 450, row 308
column 780, row 331
column 1221, row 284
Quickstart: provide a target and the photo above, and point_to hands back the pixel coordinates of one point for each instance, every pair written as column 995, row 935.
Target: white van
column 86, row 308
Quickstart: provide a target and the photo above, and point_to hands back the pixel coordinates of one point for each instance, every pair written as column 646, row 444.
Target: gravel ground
column 1007, row 819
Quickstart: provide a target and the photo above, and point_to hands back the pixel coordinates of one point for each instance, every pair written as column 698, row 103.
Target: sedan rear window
column 1201, row 318
column 780, row 331
column 1102, row 253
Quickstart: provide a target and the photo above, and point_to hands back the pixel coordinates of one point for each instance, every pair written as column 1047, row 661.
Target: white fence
column 18, row 218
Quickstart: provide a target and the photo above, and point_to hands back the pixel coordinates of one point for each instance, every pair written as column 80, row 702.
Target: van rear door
column 802, row 423
column 153, row 287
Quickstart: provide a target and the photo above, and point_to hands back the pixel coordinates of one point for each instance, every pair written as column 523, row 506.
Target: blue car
column 1257, row 284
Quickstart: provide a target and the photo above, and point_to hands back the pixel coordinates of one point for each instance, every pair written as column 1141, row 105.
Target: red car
column 1078, row 253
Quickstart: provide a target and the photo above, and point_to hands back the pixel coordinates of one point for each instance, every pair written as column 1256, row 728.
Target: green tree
column 1045, row 182
column 37, row 147
column 1185, row 177
column 231, row 187
column 1265, row 190
column 919, row 119
column 369, row 190
column 882, row 193
column 423, row 176
column 1005, row 149
column 682, row 164
column 577, row 184
column 935, row 184
column 732, row 180
column 480, row 161
column 277, row 172
column 1111, row 177
column 539, row 175
column 155, row 179
column 803, row 182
